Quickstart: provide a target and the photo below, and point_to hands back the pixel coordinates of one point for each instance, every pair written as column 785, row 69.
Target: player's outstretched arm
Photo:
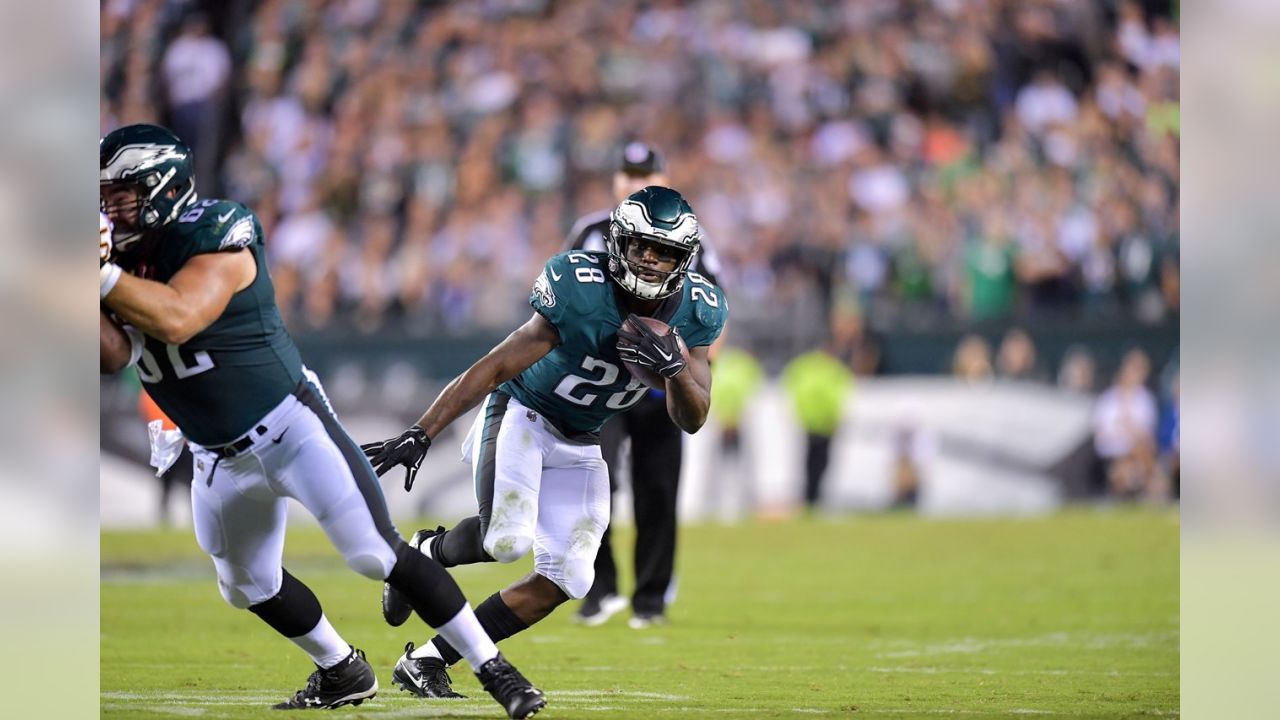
column 190, row 302
column 689, row 392
column 522, row 348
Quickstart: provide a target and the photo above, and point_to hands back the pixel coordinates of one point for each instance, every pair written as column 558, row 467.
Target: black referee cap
column 640, row 158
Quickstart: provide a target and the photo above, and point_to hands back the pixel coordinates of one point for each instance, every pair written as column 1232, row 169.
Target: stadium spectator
column 1124, row 426
column 913, row 446
column 972, row 360
column 1078, row 372
column 1169, row 435
column 852, row 342
column 989, row 262
column 196, row 67
column 1016, row 359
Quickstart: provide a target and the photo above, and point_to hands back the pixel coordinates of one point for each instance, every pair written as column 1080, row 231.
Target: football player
column 656, row 442
column 541, row 483
column 187, row 297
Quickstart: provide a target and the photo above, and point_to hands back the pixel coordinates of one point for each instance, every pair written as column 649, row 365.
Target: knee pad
column 242, row 589
column 374, row 567
column 576, row 579
column 507, row 547
column 235, row 596
column 577, row 587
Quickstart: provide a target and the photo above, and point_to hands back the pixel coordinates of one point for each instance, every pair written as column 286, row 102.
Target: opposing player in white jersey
column 541, row 483
column 187, row 297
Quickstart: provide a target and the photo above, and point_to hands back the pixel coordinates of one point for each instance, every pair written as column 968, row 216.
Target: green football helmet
column 156, row 167
column 657, row 215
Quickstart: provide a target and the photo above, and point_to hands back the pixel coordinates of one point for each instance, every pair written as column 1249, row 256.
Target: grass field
column 1074, row 615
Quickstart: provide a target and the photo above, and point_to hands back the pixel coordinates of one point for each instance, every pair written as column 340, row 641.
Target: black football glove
column 660, row 353
column 407, row 449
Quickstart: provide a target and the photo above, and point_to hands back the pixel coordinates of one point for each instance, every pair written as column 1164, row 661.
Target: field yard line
column 183, row 711
column 618, row 693
column 412, row 708
column 968, row 645
column 255, row 696
column 1011, row 711
column 257, row 693
column 229, row 697
column 993, row 671
column 926, row 670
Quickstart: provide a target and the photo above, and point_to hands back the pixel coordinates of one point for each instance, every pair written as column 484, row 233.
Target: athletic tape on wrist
column 136, row 343
column 108, row 276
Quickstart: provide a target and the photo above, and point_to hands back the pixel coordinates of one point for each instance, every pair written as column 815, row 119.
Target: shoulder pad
column 579, row 277
column 219, row 225
column 709, row 310
column 710, row 306
column 553, row 293
column 709, row 316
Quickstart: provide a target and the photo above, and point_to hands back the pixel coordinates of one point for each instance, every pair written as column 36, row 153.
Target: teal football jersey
column 582, row 382
column 220, row 382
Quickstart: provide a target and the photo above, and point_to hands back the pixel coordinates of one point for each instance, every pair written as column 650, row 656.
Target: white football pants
column 538, row 491
column 299, row 451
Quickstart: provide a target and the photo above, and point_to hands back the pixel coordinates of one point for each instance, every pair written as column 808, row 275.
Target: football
column 644, row 374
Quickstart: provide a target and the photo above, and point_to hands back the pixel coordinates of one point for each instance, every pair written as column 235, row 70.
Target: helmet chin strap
column 653, row 290
column 124, row 242
column 646, row 290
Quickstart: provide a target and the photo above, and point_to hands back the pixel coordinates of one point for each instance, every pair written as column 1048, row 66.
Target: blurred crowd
column 899, row 160
column 1136, row 417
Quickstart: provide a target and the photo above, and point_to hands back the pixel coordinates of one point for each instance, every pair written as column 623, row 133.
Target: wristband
column 108, row 276
column 136, row 343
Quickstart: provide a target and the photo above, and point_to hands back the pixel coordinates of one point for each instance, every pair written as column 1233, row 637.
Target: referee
column 655, row 443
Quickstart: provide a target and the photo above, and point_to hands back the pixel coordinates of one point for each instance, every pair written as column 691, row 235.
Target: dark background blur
column 913, row 169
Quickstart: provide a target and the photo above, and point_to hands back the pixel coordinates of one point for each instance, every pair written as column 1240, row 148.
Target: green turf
column 1074, row 615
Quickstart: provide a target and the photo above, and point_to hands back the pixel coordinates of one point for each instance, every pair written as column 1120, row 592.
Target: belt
column 236, row 447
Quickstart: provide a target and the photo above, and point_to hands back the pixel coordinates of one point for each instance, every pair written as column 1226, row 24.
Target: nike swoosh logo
column 665, row 355
column 554, row 276
column 223, row 218
column 279, row 437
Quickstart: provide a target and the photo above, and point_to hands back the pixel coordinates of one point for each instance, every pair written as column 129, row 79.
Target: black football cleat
column 350, row 682
column 425, row 677
column 395, row 606
column 510, row 688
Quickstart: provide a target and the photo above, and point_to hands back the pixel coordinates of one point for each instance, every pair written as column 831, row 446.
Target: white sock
column 464, row 633
column 426, row 651
column 425, row 547
column 325, row 646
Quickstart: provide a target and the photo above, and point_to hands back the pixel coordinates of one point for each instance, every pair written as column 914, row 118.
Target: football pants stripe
column 486, row 467
column 366, row 479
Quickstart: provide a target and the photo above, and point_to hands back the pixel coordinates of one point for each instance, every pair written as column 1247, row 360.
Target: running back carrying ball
column 651, row 350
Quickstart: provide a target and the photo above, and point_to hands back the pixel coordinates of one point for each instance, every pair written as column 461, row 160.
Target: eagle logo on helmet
column 129, row 160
